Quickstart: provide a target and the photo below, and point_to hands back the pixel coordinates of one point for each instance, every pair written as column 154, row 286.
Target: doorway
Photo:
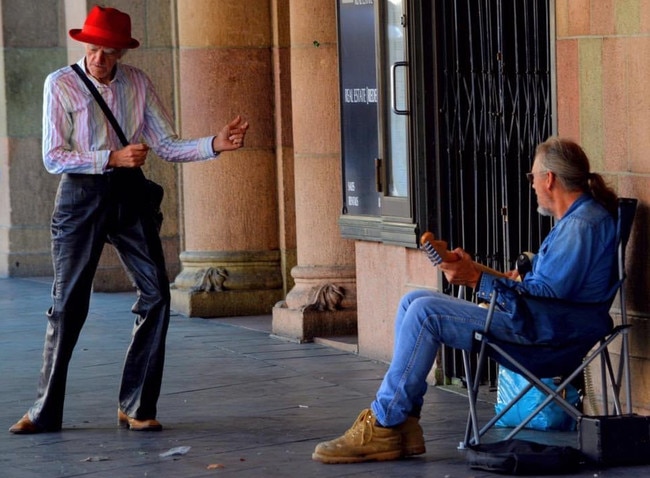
column 493, row 78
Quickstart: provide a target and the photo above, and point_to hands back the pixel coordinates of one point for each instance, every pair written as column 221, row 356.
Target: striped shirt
column 77, row 137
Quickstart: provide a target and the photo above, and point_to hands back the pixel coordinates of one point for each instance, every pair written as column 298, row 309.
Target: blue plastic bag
column 551, row 417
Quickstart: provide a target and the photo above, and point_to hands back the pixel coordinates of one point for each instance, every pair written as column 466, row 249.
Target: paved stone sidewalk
column 235, row 402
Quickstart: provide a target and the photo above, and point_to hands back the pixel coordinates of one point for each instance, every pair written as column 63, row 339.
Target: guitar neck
column 489, row 270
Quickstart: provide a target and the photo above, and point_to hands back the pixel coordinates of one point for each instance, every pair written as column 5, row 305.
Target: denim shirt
column 575, row 260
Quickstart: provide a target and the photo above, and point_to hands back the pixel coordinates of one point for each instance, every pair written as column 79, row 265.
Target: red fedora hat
column 107, row 27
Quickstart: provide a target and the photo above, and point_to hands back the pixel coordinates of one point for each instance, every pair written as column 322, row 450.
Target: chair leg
column 471, row 429
column 614, row 382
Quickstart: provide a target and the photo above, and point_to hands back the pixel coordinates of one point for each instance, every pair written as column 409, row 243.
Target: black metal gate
column 494, row 94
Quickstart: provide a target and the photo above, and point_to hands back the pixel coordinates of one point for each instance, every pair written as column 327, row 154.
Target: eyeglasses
column 531, row 176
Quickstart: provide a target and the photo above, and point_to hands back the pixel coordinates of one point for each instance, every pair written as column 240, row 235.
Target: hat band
column 107, row 35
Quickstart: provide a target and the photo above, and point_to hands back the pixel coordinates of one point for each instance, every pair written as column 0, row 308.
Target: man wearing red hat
column 102, row 198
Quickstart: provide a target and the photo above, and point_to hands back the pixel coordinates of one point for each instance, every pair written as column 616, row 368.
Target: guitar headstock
column 437, row 253
column 436, row 250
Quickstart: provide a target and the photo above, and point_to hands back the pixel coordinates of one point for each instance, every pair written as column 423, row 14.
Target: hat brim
column 77, row 34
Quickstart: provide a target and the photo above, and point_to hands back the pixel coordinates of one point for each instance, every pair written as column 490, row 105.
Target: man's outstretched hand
column 231, row 136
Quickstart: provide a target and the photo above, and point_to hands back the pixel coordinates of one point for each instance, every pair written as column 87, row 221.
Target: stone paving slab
column 246, row 404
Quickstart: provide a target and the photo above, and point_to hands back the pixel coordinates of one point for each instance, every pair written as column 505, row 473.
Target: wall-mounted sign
column 359, row 106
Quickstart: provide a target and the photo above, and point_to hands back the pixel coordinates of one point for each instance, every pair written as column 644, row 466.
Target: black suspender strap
column 154, row 191
column 102, row 104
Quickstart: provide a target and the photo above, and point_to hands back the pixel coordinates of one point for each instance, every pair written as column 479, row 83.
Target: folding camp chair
column 547, row 351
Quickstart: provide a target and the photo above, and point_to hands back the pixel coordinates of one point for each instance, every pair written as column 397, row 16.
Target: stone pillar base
column 227, row 283
column 225, row 303
column 303, row 325
column 323, row 303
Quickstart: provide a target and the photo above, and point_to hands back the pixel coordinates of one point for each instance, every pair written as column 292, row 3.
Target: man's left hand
column 462, row 271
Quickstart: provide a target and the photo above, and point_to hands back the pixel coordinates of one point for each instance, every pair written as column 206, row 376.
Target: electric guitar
column 437, row 253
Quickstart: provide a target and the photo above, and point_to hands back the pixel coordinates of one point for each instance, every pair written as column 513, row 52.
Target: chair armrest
column 550, row 320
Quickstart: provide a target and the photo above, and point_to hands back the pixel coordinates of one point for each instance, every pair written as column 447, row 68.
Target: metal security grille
column 494, row 93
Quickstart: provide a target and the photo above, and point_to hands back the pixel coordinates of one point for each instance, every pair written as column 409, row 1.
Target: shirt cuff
column 214, row 153
column 101, row 162
column 205, row 148
column 484, row 288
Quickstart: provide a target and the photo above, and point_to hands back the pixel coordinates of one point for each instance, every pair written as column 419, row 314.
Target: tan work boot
column 412, row 437
column 364, row 441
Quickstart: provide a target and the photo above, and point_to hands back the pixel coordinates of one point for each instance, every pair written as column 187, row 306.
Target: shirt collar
column 119, row 74
column 576, row 204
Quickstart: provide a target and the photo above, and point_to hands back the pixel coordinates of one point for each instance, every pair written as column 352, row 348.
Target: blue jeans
column 424, row 320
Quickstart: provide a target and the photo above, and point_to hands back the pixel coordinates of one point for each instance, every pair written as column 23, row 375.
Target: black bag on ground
column 522, row 457
column 615, row 439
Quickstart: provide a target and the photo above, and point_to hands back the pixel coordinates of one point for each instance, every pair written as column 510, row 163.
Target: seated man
column 574, row 262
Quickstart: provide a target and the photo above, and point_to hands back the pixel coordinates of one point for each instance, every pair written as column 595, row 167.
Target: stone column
column 323, row 300
column 33, row 46
column 231, row 262
column 29, row 50
column 152, row 25
column 284, row 139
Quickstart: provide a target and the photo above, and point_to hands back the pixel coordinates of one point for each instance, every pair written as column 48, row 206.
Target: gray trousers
column 91, row 210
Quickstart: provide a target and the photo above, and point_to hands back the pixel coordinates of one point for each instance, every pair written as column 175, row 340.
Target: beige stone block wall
column 602, row 72
column 284, row 140
column 237, row 184
column 219, row 22
column 384, row 274
column 152, row 26
column 32, row 194
column 217, row 198
column 324, row 261
column 316, row 133
column 317, row 152
column 31, row 50
column 568, row 96
column 233, row 199
column 5, row 212
column 230, row 204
